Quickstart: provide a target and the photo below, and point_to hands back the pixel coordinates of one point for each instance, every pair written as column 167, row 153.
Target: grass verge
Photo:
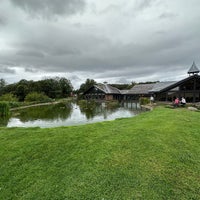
column 155, row 155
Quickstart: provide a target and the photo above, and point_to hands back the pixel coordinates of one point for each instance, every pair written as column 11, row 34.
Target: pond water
column 67, row 114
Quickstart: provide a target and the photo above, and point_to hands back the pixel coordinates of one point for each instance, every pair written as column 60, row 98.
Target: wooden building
column 102, row 92
column 162, row 91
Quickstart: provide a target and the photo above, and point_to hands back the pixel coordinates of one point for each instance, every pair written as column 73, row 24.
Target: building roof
column 176, row 84
column 193, row 69
column 108, row 89
column 124, row 91
column 141, row 89
column 161, row 85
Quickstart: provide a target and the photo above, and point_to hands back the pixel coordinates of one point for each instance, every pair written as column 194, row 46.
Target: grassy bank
column 155, row 155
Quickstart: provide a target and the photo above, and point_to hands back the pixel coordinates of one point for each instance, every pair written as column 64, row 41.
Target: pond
column 68, row 114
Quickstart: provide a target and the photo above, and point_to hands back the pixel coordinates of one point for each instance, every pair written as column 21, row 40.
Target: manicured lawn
column 155, row 155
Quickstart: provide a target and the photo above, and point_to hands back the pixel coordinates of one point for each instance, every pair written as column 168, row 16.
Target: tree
column 88, row 84
column 2, row 85
column 65, row 86
column 21, row 92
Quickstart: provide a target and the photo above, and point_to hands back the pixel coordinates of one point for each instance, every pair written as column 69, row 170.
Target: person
column 151, row 99
column 176, row 102
column 183, row 101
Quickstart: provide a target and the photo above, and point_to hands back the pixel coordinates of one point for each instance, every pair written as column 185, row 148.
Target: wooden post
column 194, row 90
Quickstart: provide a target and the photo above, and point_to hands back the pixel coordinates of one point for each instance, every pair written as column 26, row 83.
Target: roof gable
column 179, row 83
column 193, row 69
column 108, row 89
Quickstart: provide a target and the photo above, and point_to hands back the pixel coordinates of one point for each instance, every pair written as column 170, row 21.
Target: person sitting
column 183, row 101
column 176, row 102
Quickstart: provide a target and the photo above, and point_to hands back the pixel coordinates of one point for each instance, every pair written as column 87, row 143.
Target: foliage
column 144, row 100
column 85, row 86
column 148, row 82
column 52, row 87
column 37, row 97
column 2, row 85
column 151, row 156
column 65, row 86
column 4, row 109
column 8, row 97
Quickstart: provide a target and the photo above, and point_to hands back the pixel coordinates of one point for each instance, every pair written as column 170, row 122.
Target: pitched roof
column 193, row 69
column 175, row 84
column 124, row 91
column 141, row 89
column 108, row 89
column 161, row 85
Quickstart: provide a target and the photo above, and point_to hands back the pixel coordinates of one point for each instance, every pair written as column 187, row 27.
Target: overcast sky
column 117, row 41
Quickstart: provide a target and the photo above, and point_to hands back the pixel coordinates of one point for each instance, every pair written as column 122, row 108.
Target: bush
column 144, row 100
column 8, row 97
column 4, row 109
column 37, row 97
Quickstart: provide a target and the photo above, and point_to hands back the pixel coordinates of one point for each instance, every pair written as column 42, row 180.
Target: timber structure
column 189, row 88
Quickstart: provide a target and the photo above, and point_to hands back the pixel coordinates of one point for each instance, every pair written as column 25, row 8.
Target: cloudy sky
column 117, row 41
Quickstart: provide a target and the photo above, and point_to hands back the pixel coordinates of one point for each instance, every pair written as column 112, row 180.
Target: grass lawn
column 155, row 155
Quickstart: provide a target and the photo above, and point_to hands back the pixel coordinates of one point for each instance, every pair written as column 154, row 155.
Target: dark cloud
column 30, row 69
column 3, row 20
column 168, row 15
column 143, row 4
column 116, row 40
column 6, row 70
column 31, row 53
column 48, row 8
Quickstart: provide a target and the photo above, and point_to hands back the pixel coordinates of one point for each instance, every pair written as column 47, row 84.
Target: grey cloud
column 31, row 53
column 61, row 51
column 168, row 15
column 29, row 69
column 7, row 70
column 3, row 20
column 142, row 4
column 93, row 46
column 47, row 8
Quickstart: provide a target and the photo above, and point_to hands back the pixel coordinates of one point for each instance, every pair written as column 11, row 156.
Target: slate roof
column 161, row 85
column 193, row 69
column 141, row 89
column 176, row 84
column 108, row 89
column 124, row 91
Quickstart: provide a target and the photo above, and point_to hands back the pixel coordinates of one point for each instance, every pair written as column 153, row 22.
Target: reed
column 4, row 109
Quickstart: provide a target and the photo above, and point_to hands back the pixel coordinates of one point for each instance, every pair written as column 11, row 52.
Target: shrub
column 144, row 101
column 37, row 97
column 8, row 97
column 4, row 109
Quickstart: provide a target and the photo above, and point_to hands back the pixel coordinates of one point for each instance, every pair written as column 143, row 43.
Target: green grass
column 155, row 155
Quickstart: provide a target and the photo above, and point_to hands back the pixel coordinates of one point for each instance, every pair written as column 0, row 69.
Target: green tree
column 88, row 84
column 21, row 92
column 2, row 85
column 65, row 86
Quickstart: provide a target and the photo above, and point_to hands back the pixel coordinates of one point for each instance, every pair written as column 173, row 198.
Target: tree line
column 52, row 87
column 58, row 87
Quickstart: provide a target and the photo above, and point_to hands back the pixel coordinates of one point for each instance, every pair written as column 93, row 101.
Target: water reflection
column 50, row 112
column 67, row 114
